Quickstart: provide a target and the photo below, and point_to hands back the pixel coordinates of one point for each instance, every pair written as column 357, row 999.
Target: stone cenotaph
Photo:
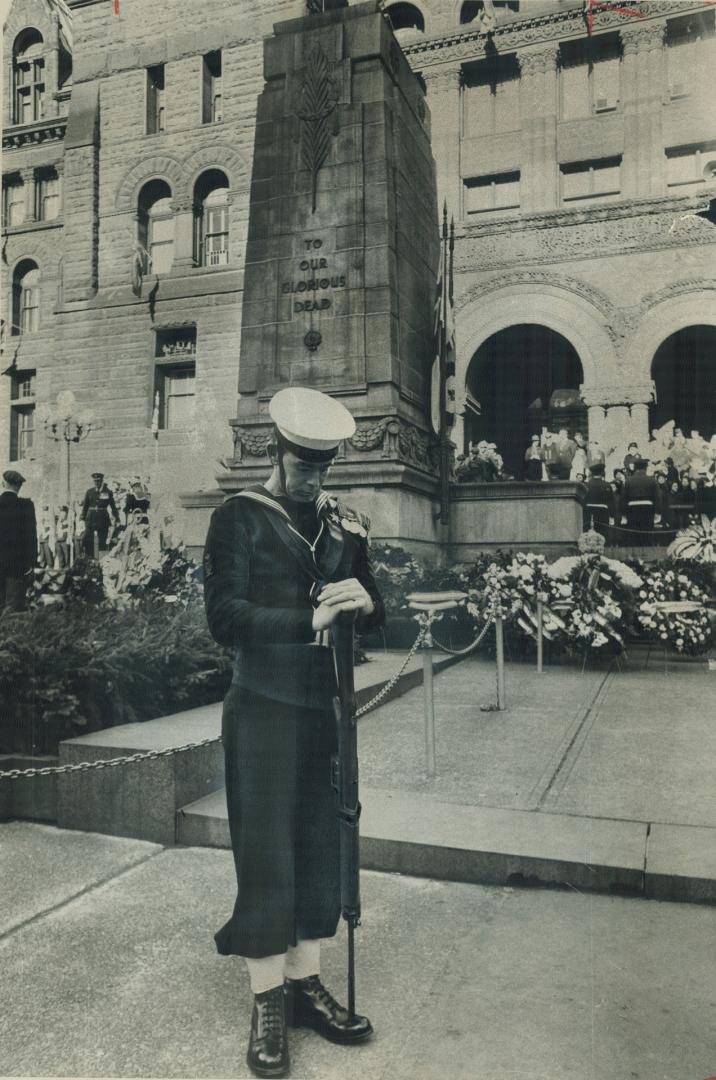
column 341, row 262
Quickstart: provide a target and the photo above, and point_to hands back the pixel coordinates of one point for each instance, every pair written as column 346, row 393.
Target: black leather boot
column 309, row 1004
column 268, row 1043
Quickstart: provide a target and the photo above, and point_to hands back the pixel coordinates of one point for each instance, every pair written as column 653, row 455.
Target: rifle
column 344, row 777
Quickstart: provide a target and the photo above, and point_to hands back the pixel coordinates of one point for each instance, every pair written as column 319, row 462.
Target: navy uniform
column 640, row 497
column 266, row 559
column 599, row 506
column 97, row 503
column 18, row 542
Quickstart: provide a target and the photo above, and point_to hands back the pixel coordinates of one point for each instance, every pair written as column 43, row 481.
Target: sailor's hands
column 348, row 595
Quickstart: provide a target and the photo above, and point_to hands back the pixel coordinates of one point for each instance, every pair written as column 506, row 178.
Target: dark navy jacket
column 18, row 535
column 261, row 580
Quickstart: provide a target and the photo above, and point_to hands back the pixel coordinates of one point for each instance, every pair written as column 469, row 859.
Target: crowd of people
column 91, row 524
column 657, row 488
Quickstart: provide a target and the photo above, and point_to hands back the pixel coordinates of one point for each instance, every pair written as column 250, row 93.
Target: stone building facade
column 580, row 167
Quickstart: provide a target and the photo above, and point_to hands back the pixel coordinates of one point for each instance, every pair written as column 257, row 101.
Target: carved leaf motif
column 318, row 100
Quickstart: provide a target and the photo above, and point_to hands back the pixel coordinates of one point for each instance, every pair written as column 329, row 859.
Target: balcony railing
column 217, row 258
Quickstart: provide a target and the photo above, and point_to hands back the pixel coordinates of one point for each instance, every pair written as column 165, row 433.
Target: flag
column 444, row 335
column 141, row 264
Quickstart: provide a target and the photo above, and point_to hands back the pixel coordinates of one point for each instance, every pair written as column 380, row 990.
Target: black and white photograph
column 358, row 540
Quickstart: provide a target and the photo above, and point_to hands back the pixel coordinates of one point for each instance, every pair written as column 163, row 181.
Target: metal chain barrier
column 469, row 648
column 151, row 755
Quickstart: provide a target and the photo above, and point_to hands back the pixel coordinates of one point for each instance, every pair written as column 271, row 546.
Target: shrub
column 70, row 670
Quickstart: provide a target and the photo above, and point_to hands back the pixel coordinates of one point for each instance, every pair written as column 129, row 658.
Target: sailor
column 640, row 497
column 98, row 502
column 600, row 503
column 282, row 559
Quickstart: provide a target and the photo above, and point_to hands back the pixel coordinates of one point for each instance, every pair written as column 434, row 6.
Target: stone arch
column 218, row 156
column 421, row 9
column 582, row 315
column 35, row 248
column 157, row 167
column 685, row 303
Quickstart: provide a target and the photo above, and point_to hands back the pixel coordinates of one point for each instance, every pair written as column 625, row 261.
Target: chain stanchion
column 540, row 638
column 429, row 608
column 500, row 652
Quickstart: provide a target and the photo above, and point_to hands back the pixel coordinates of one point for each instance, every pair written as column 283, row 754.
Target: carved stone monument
column 341, row 261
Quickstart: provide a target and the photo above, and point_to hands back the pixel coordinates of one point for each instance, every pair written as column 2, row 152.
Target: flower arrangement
column 593, row 596
column 671, row 610
column 697, row 542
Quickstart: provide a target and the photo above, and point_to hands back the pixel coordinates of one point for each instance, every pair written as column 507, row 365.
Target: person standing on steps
column 282, row 560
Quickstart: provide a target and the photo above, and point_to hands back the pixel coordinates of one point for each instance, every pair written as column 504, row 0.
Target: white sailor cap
column 309, row 423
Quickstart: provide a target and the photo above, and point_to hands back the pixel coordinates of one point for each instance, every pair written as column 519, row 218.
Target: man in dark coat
column 640, row 497
column 98, row 502
column 600, row 504
column 282, row 559
column 18, row 542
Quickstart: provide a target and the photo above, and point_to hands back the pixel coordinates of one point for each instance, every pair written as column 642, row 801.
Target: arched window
column 211, row 219
column 28, row 69
column 155, row 229
column 26, row 298
column 405, row 17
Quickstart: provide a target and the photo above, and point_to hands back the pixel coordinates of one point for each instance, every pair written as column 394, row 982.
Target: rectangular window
column 491, row 96
column 687, row 52
column 211, row 106
column 499, row 192
column 29, row 91
column 13, row 202
column 29, row 309
column 591, row 179
column 22, row 414
column 590, row 73
column 688, row 165
column 216, row 237
column 161, row 244
column 23, row 385
column 155, row 99
column 47, row 194
column 175, row 378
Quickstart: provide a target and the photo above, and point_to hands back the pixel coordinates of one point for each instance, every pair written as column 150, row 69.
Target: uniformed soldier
column 600, row 503
column 98, row 502
column 640, row 498
column 18, row 542
column 282, row 559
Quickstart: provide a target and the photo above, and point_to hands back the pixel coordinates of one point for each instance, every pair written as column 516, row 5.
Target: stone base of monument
column 403, row 504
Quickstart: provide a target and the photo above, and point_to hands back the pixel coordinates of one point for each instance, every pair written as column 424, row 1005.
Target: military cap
column 98, row 476
column 309, row 423
column 16, row 479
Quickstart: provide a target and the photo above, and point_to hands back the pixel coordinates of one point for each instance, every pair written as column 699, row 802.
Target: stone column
column 444, row 101
column 539, row 180
column 642, row 91
column 60, row 170
column 183, row 234
column 28, row 181
column 640, row 425
column 618, row 435
column 597, row 425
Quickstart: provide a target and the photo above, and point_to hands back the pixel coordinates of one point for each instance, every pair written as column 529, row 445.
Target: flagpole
column 442, row 398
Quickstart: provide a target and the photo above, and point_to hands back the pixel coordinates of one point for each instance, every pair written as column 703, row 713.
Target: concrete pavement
column 115, row 974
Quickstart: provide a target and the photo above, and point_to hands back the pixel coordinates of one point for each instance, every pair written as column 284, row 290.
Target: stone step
column 140, row 800
column 418, row 835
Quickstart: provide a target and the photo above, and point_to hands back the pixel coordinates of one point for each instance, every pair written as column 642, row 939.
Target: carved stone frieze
column 250, row 442
column 369, row 434
column 519, row 33
column 613, row 229
column 626, row 393
column 397, row 439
